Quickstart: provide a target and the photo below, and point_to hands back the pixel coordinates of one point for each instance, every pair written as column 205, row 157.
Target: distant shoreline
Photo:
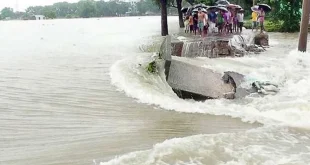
column 87, row 18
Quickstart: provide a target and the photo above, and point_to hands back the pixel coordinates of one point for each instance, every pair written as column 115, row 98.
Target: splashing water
column 272, row 144
column 226, row 149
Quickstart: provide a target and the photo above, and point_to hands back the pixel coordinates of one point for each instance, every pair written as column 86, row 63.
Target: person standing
column 261, row 19
column 212, row 20
column 240, row 17
column 195, row 23
column 220, row 21
column 229, row 21
column 202, row 21
column 186, row 22
column 191, row 23
column 254, row 20
column 235, row 21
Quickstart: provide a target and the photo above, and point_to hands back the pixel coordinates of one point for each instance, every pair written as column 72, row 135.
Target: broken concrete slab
column 198, row 80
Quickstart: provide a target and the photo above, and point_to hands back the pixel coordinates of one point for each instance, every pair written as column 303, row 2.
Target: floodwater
column 73, row 92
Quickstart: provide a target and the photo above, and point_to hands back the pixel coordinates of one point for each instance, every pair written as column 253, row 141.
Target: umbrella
column 204, row 10
column 231, row 6
column 212, row 7
column 201, row 6
column 238, row 7
column 184, row 9
column 222, row 2
column 195, row 10
column 219, row 5
column 222, row 8
column 254, row 8
column 265, row 7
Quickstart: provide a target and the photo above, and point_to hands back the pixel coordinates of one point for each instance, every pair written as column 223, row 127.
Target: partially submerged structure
column 189, row 79
column 39, row 17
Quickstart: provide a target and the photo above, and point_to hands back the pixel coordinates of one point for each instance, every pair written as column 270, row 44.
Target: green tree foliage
column 50, row 14
column 7, row 12
column 147, row 6
column 87, row 8
column 287, row 11
column 83, row 9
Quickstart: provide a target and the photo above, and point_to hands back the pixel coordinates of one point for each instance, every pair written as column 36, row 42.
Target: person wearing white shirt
column 240, row 17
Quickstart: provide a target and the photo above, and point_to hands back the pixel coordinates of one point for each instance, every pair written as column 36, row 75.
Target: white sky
column 23, row 4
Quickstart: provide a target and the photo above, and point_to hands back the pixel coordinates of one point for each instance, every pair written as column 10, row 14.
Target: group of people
column 225, row 22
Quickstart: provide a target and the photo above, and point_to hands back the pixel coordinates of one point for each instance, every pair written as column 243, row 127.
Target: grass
column 269, row 26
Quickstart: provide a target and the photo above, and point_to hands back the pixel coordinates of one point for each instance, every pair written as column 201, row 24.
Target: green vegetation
column 287, row 11
column 152, row 68
column 7, row 13
column 270, row 26
column 84, row 9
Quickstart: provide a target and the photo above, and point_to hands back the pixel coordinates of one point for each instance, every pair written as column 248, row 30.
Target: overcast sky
column 23, row 4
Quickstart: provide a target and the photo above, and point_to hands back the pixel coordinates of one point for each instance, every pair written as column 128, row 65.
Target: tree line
column 288, row 12
column 84, row 9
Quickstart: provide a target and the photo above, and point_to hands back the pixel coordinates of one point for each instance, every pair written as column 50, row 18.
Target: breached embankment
column 189, row 79
column 272, row 144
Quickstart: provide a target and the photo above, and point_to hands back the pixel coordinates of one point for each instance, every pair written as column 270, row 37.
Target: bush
column 269, row 26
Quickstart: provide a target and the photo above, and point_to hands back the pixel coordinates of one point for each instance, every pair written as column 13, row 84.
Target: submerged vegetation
column 152, row 68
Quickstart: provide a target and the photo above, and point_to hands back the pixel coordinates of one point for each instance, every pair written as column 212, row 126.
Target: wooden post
column 253, row 2
column 302, row 45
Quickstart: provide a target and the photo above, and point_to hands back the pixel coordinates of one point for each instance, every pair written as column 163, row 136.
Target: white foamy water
column 275, row 143
column 266, row 146
column 288, row 107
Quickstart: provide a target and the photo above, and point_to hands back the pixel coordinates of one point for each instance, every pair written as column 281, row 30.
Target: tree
column 86, row 8
column 50, row 14
column 147, row 6
column 7, row 12
column 179, row 7
column 289, row 12
column 164, row 17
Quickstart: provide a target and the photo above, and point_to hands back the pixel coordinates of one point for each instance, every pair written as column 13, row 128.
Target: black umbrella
column 265, row 7
column 222, row 8
column 220, row 5
column 195, row 10
column 212, row 7
column 204, row 10
column 184, row 9
column 201, row 6
column 222, row 2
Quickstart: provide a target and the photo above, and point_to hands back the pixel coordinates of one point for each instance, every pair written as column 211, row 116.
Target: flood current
column 77, row 92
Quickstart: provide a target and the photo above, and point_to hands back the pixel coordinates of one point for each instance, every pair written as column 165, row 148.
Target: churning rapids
column 284, row 137
column 77, row 92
